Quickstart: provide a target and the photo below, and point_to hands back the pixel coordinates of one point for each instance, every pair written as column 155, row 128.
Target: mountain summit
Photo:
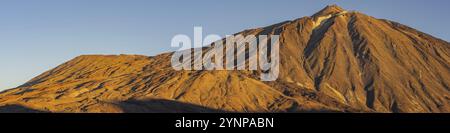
column 332, row 61
column 329, row 10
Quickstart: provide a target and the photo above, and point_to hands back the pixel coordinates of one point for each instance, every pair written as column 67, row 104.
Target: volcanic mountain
column 332, row 61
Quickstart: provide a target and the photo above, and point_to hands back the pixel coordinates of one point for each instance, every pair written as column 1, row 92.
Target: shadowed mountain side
column 18, row 109
column 163, row 106
column 168, row 106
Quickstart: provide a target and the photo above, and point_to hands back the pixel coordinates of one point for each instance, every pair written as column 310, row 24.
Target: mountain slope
column 333, row 61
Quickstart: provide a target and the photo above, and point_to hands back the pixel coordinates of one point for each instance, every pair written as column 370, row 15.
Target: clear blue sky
column 37, row 35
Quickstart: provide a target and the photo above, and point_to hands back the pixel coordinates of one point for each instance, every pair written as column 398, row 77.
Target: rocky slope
column 332, row 61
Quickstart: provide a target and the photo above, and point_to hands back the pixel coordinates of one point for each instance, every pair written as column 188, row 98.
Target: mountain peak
column 329, row 10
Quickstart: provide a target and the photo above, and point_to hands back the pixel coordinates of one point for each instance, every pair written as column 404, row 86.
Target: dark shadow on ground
column 164, row 106
column 160, row 106
column 18, row 109
column 169, row 106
